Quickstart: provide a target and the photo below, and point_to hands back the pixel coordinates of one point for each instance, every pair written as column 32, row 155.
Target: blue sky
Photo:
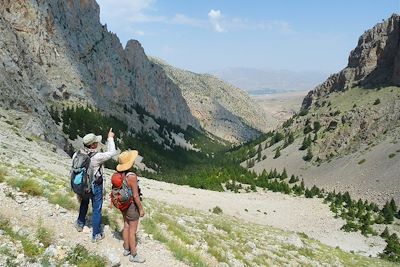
column 206, row 35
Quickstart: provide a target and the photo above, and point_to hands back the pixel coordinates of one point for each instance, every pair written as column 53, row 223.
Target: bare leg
column 125, row 234
column 132, row 236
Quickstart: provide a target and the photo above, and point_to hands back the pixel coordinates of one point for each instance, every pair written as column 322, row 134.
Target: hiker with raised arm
column 87, row 180
column 125, row 196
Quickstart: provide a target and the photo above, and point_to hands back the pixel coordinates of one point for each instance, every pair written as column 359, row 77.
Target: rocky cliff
column 346, row 137
column 222, row 109
column 374, row 62
column 57, row 51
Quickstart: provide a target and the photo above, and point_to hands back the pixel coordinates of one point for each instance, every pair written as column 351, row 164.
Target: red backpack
column 121, row 194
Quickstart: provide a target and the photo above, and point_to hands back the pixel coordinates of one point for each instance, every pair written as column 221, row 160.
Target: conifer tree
column 393, row 205
column 387, row 213
column 304, row 144
column 302, row 184
column 309, row 155
column 259, row 152
column 284, row 174
column 277, row 153
column 290, row 138
column 385, row 234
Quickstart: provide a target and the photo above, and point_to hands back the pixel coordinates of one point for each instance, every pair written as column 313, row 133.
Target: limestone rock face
column 57, row 51
column 374, row 62
column 222, row 109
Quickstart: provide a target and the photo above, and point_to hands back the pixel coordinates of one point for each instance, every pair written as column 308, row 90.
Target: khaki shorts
column 132, row 213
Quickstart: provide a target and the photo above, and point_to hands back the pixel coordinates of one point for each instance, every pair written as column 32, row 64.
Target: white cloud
column 215, row 18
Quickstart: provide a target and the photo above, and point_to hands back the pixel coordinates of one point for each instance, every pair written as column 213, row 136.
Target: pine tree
column 290, row 138
column 304, row 144
column 393, row 206
column 277, row 153
column 302, row 184
column 292, row 179
column 392, row 250
column 284, row 174
column 259, row 152
column 385, row 234
column 309, row 155
column 387, row 213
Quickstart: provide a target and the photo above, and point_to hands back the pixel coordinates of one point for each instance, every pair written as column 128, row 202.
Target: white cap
column 91, row 138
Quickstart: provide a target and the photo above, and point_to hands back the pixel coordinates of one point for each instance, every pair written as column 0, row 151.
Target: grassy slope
column 223, row 238
column 343, row 170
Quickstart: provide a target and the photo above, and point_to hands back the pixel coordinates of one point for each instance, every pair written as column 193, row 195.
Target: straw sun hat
column 126, row 160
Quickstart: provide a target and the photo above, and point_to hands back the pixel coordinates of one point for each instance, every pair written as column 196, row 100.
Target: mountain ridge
column 222, row 109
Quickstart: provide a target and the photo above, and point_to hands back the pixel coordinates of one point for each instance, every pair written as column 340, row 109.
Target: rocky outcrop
column 57, row 51
column 222, row 109
column 374, row 62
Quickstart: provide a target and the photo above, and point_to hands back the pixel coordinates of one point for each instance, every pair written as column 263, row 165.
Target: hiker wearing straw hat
column 125, row 195
column 95, row 194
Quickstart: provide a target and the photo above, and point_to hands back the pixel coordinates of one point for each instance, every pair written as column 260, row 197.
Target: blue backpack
column 82, row 173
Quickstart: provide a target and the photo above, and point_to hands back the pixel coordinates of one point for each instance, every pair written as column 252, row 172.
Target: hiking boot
column 126, row 252
column 78, row 227
column 136, row 258
column 98, row 238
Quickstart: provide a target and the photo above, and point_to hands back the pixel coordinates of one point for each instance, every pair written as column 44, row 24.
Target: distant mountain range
column 273, row 81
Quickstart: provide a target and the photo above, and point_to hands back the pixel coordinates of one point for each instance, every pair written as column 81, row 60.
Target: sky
column 208, row 35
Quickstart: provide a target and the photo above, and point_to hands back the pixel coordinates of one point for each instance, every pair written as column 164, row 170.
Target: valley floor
column 298, row 214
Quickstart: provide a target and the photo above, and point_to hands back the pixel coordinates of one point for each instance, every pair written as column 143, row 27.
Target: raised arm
column 111, row 151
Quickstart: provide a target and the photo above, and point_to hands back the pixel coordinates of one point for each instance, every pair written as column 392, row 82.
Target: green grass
column 3, row 174
column 29, row 186
column 81, row 257
column 31, row 250
column 44, row 235
column 63, row 200
column 232, row 235
column 178, row 248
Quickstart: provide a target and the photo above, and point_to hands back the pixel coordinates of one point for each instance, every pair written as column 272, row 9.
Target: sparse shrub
column 317, row 126
column 307, row 129
column 217, row 210
column 377, row 101
column 44, row 235
column 63, row 200
column 3, row 174
column 264, row 157
column 392, row 155
column 82, row 257
column 29, row 186
column 361, row 161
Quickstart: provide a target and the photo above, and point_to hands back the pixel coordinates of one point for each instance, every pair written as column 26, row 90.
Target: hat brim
column 98, row 139
column 131, row 160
